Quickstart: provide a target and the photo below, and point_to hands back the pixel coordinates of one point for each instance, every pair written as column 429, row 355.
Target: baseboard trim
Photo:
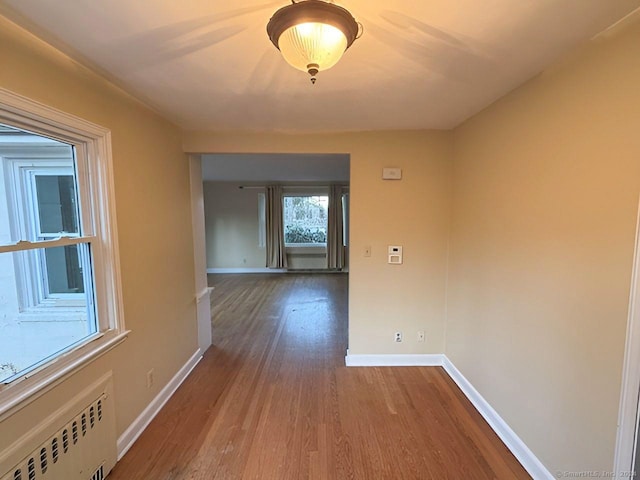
column 131, row 434
column 394, row 360
column 524, row 455
column 274, row 270
column 246, row 270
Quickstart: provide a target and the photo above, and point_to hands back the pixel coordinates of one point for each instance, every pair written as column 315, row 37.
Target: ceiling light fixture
column 312, row 35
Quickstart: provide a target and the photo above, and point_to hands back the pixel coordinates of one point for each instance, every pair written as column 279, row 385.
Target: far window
column 305, row 219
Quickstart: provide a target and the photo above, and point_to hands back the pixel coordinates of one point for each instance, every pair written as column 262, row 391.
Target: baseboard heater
column 77, row 442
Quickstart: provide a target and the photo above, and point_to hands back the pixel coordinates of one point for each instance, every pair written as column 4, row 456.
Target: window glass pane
column 32, row 334
column 63, row 270
column 56, row 204
column 305, row 219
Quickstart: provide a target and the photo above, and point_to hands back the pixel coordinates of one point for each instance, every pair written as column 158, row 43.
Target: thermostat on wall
column 389, row 173
column 395, row 254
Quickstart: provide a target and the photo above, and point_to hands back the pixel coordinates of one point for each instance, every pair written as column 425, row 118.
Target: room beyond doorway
column 313, row 199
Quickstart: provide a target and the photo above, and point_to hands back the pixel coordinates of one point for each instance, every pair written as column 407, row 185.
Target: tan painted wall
column 154, row 226
column 413, row 212
column 546, row 185
column 231, row 223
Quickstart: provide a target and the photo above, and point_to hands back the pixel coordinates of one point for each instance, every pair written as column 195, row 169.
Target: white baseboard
column 392, row 360
column 273, row 270
column 246, row 270
column 131, row 434
column 525, row 456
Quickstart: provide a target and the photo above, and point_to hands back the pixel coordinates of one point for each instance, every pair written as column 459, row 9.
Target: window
column 59, row 282
column 305, row 220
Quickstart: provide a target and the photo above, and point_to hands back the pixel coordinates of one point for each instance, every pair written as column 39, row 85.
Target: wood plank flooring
column 273, row 400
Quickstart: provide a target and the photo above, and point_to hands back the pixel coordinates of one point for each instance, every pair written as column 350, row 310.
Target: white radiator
column 78, row 442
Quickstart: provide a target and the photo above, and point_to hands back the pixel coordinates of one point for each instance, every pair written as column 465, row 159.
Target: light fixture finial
column 313, row 69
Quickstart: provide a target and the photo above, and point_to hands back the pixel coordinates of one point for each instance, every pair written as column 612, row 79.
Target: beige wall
column 231, row 223
column 154, row 228
column 413, row 212
column 546, row 185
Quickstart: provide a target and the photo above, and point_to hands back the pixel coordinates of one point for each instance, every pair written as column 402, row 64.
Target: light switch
column 395, row 255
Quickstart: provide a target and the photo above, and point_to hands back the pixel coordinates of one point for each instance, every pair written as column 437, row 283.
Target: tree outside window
column 305, row 219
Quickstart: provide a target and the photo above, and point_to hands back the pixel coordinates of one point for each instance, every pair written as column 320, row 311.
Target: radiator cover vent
column 82, row 448
column 99, row 474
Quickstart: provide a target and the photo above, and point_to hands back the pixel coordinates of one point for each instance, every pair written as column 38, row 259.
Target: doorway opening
column 310, row 194
column 231, row 213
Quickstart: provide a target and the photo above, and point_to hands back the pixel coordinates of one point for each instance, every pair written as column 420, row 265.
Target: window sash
column 61, row 241
column 32, row 277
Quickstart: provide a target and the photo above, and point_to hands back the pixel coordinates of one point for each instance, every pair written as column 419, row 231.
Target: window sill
column 306, row 249
column 21, row 392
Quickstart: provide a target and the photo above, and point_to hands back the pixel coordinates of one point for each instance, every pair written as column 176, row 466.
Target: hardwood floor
column 273, row 400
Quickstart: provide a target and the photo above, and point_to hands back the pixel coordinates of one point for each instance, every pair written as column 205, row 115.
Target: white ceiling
column 280, row 168
column 419, row 64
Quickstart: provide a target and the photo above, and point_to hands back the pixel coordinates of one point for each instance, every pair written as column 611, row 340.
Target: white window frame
column 21, row 168
column 94, row 176
column 31, row 202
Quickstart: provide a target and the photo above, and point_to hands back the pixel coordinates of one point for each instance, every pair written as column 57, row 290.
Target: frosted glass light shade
column 312, row 44
column 312, row 34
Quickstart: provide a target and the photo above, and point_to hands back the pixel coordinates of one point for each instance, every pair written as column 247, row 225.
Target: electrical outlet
column 421, row 335
column 398, row 337
column 150, row 379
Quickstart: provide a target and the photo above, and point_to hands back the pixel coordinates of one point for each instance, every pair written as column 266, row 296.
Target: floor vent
column 83, row 448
